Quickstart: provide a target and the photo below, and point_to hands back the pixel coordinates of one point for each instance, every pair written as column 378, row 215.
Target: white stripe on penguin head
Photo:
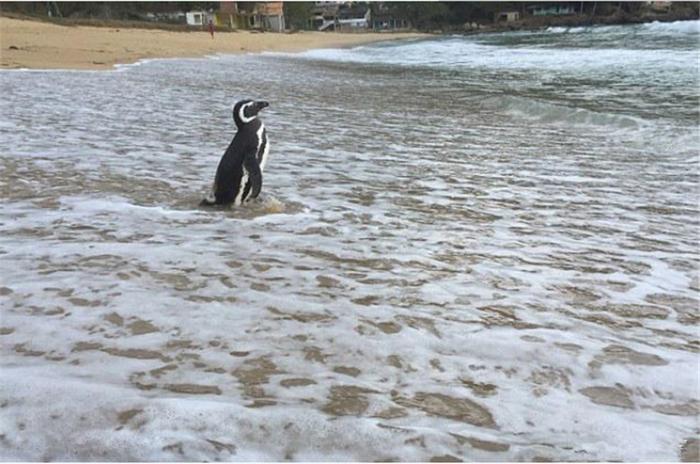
column 241, row 113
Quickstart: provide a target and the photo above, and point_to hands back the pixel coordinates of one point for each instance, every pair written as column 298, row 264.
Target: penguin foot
column 210, row 200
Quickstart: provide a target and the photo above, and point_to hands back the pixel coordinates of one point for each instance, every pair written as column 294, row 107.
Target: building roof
column 261, row 8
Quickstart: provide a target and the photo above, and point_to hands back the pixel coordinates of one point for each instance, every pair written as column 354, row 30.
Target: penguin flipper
column 254, row 176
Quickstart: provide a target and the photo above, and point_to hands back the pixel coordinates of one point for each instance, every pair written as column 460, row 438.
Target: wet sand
column 39, row 45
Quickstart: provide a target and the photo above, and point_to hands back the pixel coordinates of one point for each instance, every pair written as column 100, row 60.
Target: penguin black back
column 239, row 174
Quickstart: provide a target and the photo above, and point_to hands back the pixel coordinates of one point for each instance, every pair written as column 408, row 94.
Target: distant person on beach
column 211, row 28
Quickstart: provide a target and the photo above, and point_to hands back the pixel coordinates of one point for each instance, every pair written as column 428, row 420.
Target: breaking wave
column 547, row 112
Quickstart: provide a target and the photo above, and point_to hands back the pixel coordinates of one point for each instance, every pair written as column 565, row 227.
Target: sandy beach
column 34, row 44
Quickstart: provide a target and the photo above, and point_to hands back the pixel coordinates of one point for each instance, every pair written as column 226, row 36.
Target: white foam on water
column 679, row 27
column 471, row 53
column 511, row 277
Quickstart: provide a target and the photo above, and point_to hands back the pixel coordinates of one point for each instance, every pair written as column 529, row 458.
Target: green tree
column 297, row 14
column 421, row 15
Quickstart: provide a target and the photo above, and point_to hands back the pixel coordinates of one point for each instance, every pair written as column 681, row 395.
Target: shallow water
column 481, row 248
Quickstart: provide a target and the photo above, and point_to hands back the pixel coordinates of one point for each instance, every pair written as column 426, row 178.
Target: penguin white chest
column 263, row 146
column 241, row 188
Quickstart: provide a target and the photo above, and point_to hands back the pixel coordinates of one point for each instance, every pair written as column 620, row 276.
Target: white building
column 197, row 18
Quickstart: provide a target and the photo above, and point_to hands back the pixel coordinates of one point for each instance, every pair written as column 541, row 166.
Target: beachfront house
column 388, row 22
column 507, row 16
column 385, row 18
column 341, row 17
column 264, row 16
column 354, row 18
column 226, row 15
column 173, row 17
column 551, row 9
column 324, row 15
column 197, row 18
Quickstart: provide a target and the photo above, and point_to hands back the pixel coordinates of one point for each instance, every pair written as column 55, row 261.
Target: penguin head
column 246, row 111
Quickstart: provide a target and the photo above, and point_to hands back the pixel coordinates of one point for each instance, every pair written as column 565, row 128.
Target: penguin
column 239, row 175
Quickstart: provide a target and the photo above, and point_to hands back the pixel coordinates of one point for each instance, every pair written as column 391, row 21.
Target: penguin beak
column 261, row 104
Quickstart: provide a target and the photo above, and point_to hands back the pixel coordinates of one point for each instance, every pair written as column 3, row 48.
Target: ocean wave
column 466, row 56
column 656, row 27
column 552, row 113
column 598, row 50
column 565, row 30
column 675, row 27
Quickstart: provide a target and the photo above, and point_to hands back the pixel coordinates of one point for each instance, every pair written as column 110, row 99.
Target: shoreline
column 28, row 43
column 31, row 44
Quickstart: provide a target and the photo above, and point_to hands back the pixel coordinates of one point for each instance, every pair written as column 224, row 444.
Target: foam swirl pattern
column 478, row 248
